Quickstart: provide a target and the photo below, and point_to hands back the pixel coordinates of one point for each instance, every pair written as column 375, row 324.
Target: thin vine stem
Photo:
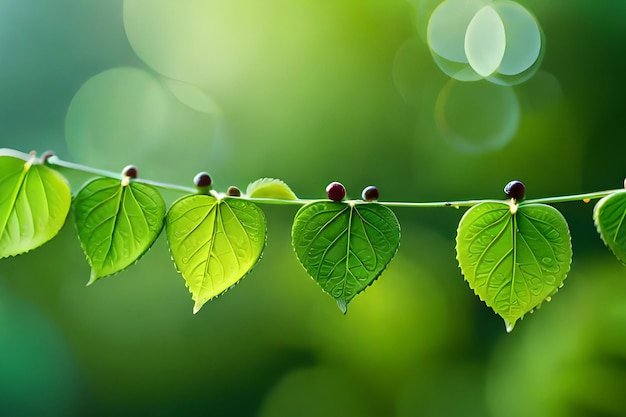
column 573, row 197
column 586, row 197
column 55, row 161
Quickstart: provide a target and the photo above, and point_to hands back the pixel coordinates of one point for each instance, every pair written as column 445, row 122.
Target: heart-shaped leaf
column 117, row 222
column 513, row 257
column 270, row 188
column 345, row 246
column 609, row 215
column 34, row 202
column 214, row 242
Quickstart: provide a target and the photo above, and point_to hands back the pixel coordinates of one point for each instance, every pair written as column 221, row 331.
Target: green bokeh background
column 308, row 92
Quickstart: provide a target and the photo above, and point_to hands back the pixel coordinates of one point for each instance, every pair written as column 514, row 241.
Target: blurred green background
column 309, row 92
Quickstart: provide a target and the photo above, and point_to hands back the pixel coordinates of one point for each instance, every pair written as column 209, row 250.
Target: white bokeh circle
column 500, row 41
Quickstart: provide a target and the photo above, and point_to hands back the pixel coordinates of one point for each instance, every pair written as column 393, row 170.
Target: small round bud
column 202, row 180
column 370, row 193
column 515, row 190
column 233, row 191
column 130, row 171
column 336, row 191
column 46, row 155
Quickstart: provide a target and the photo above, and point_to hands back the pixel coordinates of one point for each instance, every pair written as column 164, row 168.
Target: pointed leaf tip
column 343, row 305
column 197, row 307
column 513, row 261
column 509, row 325
column 92, row 279
column 345, row 247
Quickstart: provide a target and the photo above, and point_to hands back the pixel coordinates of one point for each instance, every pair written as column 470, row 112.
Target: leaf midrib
column 13, row 199
column 514, row 264
column 120, row 203
column 205, row 271
column 348, row 250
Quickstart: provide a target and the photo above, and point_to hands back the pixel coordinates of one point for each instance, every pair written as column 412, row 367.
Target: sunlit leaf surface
column 513, row 261
column 270, row 188
column 345, row 247
column 34, row 202
column 214, row 243
column 609, row 216
column 116, row 223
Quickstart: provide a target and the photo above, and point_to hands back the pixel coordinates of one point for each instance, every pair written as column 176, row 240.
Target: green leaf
column 34, row 202
column 345, row 246
column 609, row 215
column 513, row 257
column 270, row 188
column 214, row 243
column 117, row 222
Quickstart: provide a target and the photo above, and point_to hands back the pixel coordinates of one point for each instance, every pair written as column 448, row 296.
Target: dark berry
column 233, row 191
column 46, row 155
column 370, row 193
column 336, row 191
column 130, row 171
column 202, row 180
column 515, row 190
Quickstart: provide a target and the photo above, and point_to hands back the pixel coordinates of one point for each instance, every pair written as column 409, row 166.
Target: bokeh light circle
column 192, row 96
column 477, row 117
column 523, row 38
column 499, row 41
column 118, row 111
column 485, row 41
column 128, row 116
column 170, row 36
column 446, row 37
column 196, row 41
